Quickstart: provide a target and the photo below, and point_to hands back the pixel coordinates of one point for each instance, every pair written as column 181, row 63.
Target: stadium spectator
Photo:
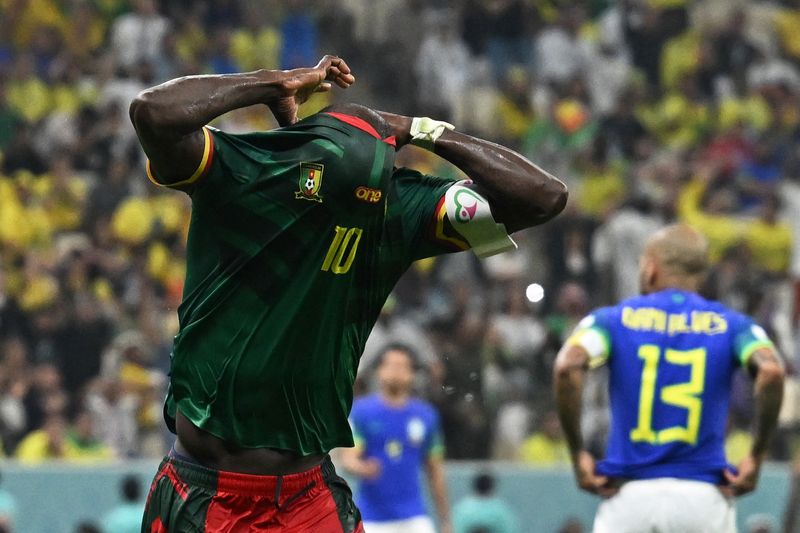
column 56, row 440
column 484, row 509
column 139, row 35
column 547, row 446
column 45, row 443
column 561, row 52
column 127, row 516
column 114, row 413
column 299, row 37
column 442, row 67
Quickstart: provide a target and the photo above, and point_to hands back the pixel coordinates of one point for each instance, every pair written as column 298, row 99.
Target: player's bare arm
column 766, row 367
column 169, row 118
column 435, row 470
column 569, row 374
column 520, row 193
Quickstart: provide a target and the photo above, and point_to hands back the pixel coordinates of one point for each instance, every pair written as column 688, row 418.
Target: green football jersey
column 297, row 237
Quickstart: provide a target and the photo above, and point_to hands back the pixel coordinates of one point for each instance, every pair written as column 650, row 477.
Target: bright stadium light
column 534, row 292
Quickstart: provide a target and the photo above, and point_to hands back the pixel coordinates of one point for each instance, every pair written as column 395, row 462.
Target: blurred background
column 651, row 111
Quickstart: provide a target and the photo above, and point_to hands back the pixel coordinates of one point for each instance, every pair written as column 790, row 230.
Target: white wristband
column 425, row 131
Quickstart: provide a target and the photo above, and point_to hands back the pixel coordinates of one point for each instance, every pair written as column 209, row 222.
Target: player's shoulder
column 601, row 316
column 423, row 408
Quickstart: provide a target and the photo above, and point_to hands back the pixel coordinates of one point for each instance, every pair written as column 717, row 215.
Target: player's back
column 671, row 356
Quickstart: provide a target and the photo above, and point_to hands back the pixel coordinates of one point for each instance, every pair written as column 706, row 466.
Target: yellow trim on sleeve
column 751, row 348
column 201, row 169
column 436, row 451
column 440, row 234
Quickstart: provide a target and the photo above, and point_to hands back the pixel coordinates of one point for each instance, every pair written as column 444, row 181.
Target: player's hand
column 587, row 477
column 446, row 527
column 743, row 481
column 301, row 83
column 370, row 468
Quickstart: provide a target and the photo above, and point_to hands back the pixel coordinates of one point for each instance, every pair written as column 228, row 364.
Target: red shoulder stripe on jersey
column 363, row 125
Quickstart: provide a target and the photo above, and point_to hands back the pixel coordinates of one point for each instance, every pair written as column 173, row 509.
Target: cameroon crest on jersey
column 310, row 182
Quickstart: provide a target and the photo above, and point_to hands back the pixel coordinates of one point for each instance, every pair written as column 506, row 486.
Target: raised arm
column 766, row 367
column 169, row 118
column 520, row 193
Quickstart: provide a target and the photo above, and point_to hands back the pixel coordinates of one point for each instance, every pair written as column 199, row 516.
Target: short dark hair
column 484, row 483
column 87, row 527
column 131, row 489
column 398, row 347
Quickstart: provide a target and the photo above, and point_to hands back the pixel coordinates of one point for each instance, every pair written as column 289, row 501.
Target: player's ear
column 648, row 271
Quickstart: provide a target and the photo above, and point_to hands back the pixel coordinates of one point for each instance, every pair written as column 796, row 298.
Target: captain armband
column 593, row 340
column 470, row 215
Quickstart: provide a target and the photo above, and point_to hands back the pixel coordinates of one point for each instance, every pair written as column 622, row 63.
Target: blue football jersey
column 671, row 357
column 401, row 439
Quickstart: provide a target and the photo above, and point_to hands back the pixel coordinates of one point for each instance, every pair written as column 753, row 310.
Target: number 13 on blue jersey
column 685, row 395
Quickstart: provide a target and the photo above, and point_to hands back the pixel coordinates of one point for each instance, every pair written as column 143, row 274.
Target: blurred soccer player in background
column 671, row 356
column 396, row 436
column 297, row 237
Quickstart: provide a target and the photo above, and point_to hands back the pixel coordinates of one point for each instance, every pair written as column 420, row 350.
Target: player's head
column 676, row 256
column 396, row 368
column 131, row 489
column 484, row 484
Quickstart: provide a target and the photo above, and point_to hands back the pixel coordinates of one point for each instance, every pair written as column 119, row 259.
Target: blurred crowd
column 650, row 110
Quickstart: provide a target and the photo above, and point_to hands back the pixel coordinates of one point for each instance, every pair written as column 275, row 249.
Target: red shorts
column 188, row 498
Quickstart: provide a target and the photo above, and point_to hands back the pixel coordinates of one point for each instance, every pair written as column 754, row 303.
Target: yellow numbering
column 335, row 260
column 683, row 395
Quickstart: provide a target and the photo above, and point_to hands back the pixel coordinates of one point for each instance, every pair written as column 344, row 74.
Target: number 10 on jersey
column 342, row 251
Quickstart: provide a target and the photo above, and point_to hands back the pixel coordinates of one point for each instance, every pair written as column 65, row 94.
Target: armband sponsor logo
column 466, row 204
column 310, row 182
column 369, row 195
column 652, row 319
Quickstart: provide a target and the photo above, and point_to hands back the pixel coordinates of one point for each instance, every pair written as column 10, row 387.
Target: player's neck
column 395, row 398
column 681, row 284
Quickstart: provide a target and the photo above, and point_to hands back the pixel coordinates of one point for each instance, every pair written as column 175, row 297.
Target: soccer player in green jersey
column 297, row 237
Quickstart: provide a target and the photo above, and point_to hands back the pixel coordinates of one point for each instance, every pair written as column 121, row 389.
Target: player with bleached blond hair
column 671, row 355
